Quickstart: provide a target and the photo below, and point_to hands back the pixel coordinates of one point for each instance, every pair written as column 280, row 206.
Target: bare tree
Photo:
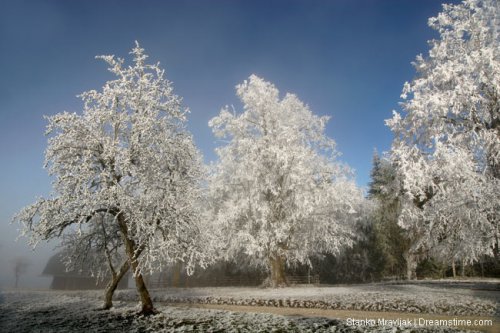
column 20, row 266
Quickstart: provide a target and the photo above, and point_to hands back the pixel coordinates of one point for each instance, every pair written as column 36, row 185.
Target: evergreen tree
column 390, row 239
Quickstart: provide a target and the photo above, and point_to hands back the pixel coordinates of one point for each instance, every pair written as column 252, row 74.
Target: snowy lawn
column 472, row 299
column 52, row 311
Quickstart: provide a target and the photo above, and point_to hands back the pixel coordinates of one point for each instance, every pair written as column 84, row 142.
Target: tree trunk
column 411, row 265
column 496, row 250
column 481, row 263
column 176, row 274
column 132, row 253
column 146, row 302
column 462, row 271
column 113, row 284
column 453, row 268
column 278, row 278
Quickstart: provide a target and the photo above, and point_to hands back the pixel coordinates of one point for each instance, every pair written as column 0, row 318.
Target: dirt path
column 483, row 324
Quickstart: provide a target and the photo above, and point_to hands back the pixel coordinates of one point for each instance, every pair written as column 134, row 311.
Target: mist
column 12, row 247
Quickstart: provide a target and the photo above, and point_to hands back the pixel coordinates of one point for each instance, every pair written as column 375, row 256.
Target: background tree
column 281, row 196
column 363, row 262
column 20, row 267
column 127, row 155
column 390, row 239
column 447, row 144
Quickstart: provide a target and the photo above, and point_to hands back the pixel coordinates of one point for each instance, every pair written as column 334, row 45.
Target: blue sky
column 344, row 58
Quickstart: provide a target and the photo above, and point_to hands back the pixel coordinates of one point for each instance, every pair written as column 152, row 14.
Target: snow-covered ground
column 436, row 298
column 52, row 311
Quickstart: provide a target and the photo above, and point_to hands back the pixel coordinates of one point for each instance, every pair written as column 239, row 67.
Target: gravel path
column 408, row 298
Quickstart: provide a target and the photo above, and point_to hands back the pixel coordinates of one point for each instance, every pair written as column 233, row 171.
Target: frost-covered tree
column 447, row 145
column 279, row 194
column 127, row 155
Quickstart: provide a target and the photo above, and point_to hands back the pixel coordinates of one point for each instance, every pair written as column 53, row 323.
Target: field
column 359, row 308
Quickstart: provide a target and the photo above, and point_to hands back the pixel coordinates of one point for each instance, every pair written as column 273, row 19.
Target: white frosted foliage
column 277, row 189
column 447, row 145
column 127, row 155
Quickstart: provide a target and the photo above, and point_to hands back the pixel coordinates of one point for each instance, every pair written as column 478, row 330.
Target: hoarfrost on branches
column 278, row 194
column 127, row 155
column 447, row 144
column 97, row 247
